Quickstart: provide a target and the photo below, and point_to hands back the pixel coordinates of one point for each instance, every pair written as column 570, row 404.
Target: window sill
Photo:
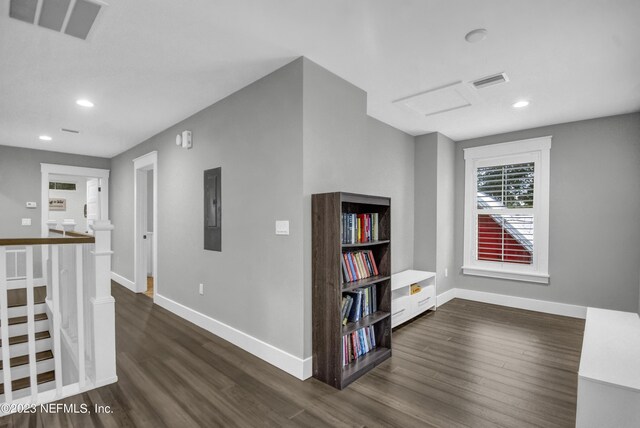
column 505, row 274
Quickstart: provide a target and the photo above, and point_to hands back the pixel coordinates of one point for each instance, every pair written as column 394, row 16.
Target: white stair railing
column 16, row 263
column 80, row 312
column 4, row 326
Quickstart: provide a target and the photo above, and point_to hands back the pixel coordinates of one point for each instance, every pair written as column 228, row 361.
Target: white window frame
column 535, row 150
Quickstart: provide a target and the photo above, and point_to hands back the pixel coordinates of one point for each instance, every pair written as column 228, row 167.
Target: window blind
column 504, row 213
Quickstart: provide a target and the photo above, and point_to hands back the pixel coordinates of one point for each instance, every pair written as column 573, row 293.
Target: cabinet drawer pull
column 399, row 312
column 422, row 302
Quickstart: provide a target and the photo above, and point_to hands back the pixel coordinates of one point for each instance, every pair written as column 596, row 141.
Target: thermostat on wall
column 32, row 205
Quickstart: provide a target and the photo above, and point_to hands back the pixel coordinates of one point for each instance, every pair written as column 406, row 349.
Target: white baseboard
column 298, row 367
column 545, row 306
column 445, row 296
column 123, row 281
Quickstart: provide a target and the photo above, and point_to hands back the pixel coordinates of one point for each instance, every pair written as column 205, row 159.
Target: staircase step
column 25, row 381
column 15, row 340
column 22, row 310
column 24, row 359
column 23, row 320
column 18, row 296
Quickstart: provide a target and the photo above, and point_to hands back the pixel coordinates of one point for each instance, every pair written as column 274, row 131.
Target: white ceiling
column 149, row 64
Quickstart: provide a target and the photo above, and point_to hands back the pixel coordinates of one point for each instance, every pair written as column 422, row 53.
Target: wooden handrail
column 71, row 238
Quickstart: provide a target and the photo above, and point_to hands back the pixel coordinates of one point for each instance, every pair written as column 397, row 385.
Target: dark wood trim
column 12, row 242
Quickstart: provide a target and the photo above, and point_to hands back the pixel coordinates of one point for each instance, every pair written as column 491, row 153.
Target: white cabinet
column 609, row 375
column 405, row 305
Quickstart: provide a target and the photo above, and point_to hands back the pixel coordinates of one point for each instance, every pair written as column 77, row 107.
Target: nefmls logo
column 64, row 408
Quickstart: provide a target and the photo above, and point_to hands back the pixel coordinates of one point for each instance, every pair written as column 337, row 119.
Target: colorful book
column 373, row 263
column 354, row 272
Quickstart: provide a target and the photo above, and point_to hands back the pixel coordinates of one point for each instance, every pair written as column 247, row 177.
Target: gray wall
column 346, row 150
column 20, row 179
column 426, row 196
column 446, row 203
column 594, row 247
column 434, row 244
column 255, row 283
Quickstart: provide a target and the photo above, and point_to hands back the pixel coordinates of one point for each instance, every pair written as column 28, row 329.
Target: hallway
column 468, row 364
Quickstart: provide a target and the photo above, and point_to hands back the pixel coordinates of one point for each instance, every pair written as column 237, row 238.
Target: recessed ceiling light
column 84, row 103
column 476, row 35
column 45, row 138
column 520, row 104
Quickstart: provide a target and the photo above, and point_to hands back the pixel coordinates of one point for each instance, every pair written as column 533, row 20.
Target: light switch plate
column 26, row 222
column 282, row 227
column 32, row 205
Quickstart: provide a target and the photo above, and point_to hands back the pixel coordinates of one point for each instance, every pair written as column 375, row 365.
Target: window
column 61, row 186
column 506, row 232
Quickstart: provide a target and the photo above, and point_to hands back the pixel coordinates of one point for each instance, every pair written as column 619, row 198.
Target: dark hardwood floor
column 467, row 365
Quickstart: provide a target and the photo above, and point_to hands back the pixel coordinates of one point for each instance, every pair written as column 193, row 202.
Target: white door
column 93, row 201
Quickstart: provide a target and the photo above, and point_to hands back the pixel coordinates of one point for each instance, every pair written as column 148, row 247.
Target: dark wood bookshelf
column 329, row 286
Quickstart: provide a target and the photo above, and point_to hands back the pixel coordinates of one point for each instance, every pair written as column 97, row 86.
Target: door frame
column 48, row 169
column 141, row 166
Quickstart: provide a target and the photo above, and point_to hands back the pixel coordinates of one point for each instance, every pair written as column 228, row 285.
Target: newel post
column 103, row 307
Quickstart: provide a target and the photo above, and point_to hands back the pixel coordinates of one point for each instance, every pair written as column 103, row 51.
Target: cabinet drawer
column 425, row 299
column 400, row 310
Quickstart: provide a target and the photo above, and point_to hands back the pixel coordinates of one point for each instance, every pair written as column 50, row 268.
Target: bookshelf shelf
column 366, row 363
column 364, row 322
column 329, row 288
column 365, row 244
column 348, row 286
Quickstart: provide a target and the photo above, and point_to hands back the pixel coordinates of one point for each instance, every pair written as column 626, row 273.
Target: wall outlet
column 26, row 222
column 201, row 289
column 446, row 272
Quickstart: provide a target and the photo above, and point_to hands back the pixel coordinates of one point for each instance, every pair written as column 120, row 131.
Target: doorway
column 73, row 202
column 100, row 198
column 145, row 224
column 73, row 187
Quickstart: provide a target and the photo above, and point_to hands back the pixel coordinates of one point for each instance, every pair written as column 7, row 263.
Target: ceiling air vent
column 72, row 17
column 496, row 79
column 71, row 131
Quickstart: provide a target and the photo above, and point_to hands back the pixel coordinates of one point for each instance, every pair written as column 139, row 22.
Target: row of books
column 357, row 344
column 357, row 228
column 358, row 304
column 358, row 265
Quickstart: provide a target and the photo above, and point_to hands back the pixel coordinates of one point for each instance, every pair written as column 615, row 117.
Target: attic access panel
column 443, row 99
column 213, row 209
